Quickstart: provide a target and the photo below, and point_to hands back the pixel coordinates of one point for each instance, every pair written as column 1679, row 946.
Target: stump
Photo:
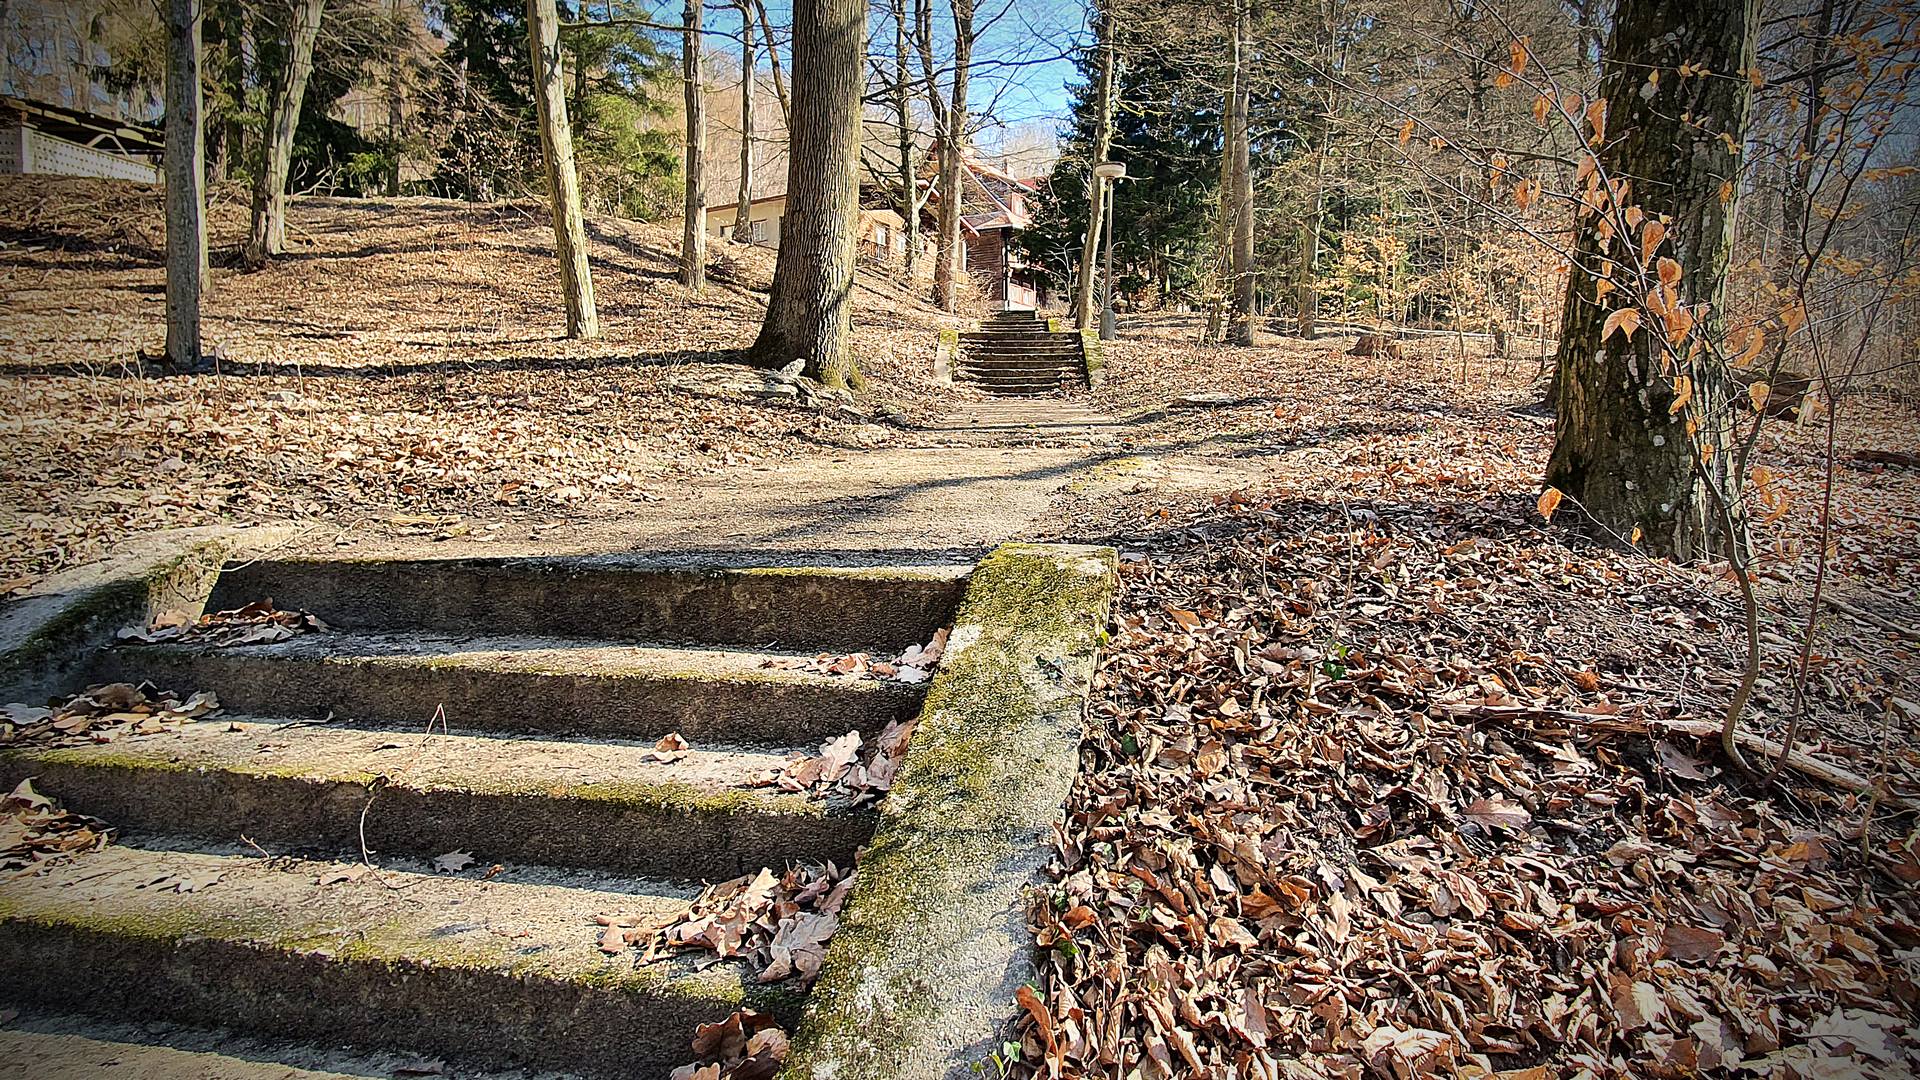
column 1375, row 344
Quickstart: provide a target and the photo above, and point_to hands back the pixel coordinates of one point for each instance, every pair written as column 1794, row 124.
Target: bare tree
column 950, row 124
column 269, row 232
column 808, row 308
column 773, row 61
column 693, row 236
column 185, row 162
column 1236, row 196
column 901, row 88
column 1098, row 191
column 749, row 65
column 563, row 183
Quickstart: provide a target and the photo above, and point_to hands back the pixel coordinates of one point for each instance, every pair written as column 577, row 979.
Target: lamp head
column 1110, row 170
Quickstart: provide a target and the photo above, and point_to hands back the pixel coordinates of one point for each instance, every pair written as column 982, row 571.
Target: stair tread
column 282, row 749
column 352, row 960
column 539, row 655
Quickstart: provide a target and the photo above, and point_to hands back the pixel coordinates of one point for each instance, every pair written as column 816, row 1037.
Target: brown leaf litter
column 34, row 829
column 779, row 925
column 103, row 713
column 1416, row 788
column 258, row 623
column 745, row 1046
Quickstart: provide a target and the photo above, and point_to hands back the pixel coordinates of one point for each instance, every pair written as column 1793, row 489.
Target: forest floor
column 1386, row 774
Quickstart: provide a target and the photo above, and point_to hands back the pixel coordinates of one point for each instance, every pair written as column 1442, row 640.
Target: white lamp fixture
column 1110, row 170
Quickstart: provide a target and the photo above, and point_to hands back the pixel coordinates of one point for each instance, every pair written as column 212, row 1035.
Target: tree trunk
column 563, row 184
column 808, row 308
column 773, row 61
column 396, row 100
column 903, row 128
column 743, row 213
column 269, row 234
column 693, row 236
column 950, row 257
column 1240, row 263
column 1622, row 447
column 1097, row 190
column 185, row 165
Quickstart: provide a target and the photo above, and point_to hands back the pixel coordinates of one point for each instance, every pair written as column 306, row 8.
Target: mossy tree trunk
column 185, row 167
column 693, row 235
column 809, row 307
column 1621, row 447
column 268, row 235
column 563, row 183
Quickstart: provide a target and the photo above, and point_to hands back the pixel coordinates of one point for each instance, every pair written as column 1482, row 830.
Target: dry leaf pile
column 34, row 829
column 778, row 924
column 745, row 1046
column 103, row 713
column 915, row 665
column 837, row 772
column 258, row 623
column 1420, row 790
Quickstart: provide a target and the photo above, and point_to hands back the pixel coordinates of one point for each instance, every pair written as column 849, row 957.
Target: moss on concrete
column 921, row 975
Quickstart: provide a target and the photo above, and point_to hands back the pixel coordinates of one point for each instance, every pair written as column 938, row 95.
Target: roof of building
column 85, row 128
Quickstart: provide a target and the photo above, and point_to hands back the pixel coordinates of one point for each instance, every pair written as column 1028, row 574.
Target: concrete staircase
column 235, row 899
column 1014, row 354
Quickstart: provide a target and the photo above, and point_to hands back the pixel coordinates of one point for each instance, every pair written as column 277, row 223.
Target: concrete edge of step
column 919, row 982
column 50, row 633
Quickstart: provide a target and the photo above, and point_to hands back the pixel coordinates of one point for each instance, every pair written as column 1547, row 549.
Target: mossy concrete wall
column 919, row 982
column 50, row 633
column 946, row 356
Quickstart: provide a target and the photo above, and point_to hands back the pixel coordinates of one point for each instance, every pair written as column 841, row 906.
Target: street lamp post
column 1109, row 173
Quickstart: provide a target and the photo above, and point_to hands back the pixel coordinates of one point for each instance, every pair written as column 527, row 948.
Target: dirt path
column 986, row 473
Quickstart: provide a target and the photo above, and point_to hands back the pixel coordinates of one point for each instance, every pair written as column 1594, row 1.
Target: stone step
column 543, row 686
column 1011, row 374
column 1021, row 363
column 484, row 973
column 304, row 787
column 1012, row 339
column 610, row 598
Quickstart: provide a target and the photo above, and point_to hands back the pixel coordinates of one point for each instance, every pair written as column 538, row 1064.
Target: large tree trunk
column 1621, row 446
column 693, row 236
column 808, row 308
column 743, row 213
column 269, row 233
column 950, row 258
column 185, row 165
column 1098, row 191
column 563, row 184
column 396, row 100
column 1240, row 316
column 903, row 130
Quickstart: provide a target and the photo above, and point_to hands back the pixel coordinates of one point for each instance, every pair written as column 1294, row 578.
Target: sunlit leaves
column 1406, row 131
column 1749, row 341
column 1625, row 320
column 1541, row 106
column 1597, row 120
column 1650, row 238
column 1548, row 502
column 1682, row 394
column 1669, row 272
column 1793, row 317
column 1757, row 393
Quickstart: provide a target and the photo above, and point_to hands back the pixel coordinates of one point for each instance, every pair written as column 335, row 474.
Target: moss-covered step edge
column 48, row 635
column 485, row 973
column 919, row 981
column 548, row 687
column 611, row 598
column 502, row 800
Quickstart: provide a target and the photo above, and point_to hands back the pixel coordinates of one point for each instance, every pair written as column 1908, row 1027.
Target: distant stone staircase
column 229, row 900
column 1013, row 353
